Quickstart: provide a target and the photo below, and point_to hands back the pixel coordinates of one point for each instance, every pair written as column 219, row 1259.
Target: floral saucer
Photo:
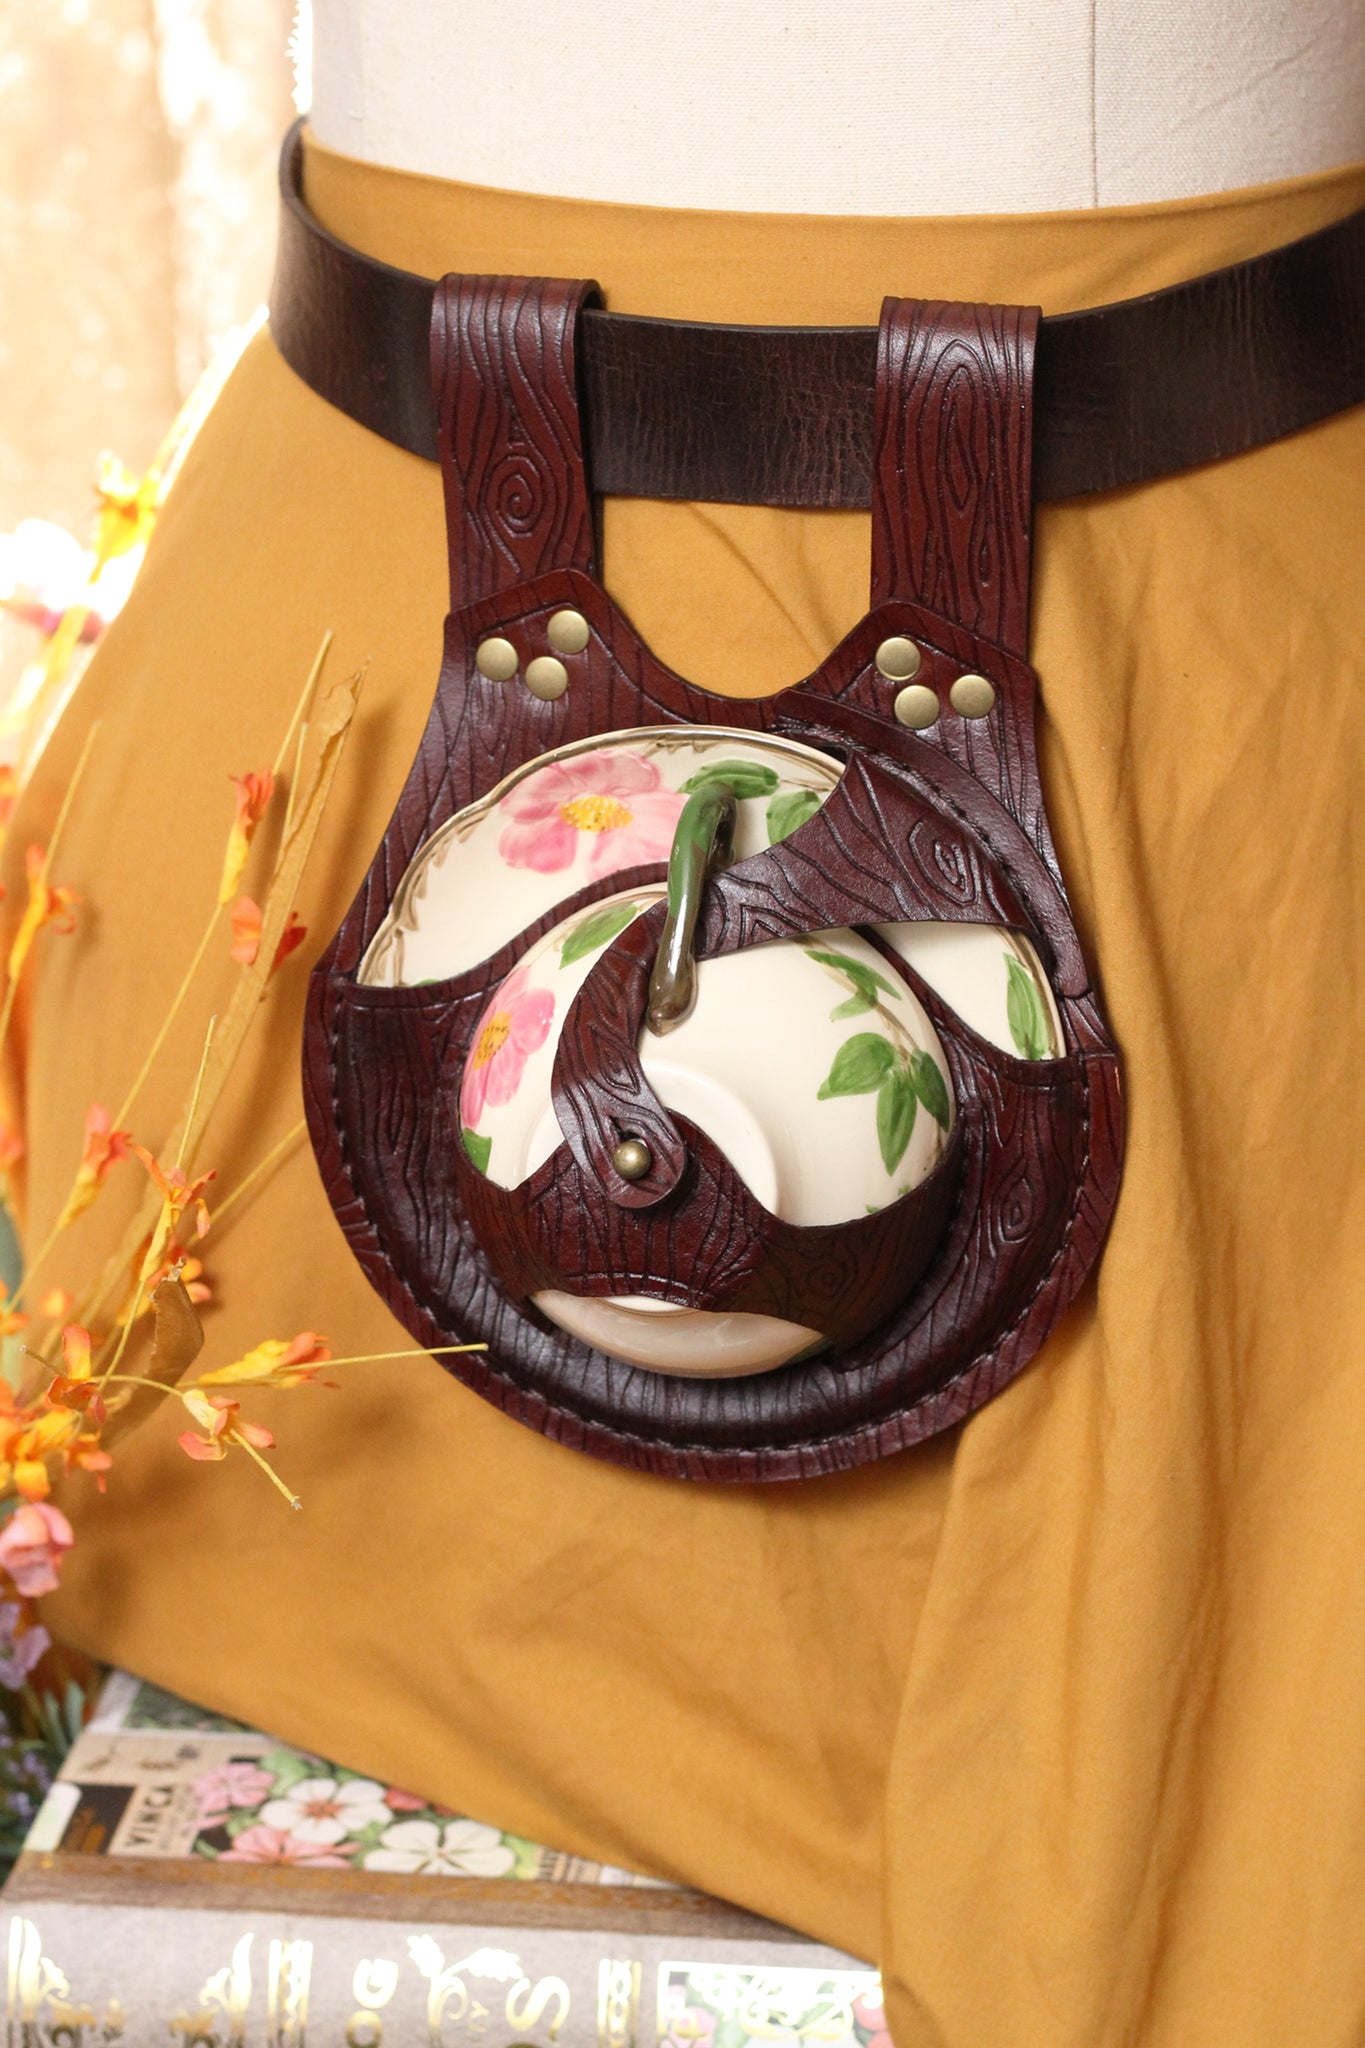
column 810, row 1062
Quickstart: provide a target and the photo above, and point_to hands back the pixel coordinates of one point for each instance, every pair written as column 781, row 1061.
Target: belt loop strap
column 952, row 455
column 509, row 432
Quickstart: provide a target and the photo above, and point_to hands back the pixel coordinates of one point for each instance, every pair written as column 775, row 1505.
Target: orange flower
column 246, row 931
column 11, row 1320
column 103, row 1149
column 56, row 1304
column 47, row 904
column 216, row 1415
column 273, row 1363
column 293, row 935
column 178, row 1195
column 11, row 1148
column 246, row 935
column 85, row 1455
column 254, row 792
column 27, row 1444
column 126, row 507
column 76, row 1388
column 188, row 1271
column 9, row 792
column 177, row 1192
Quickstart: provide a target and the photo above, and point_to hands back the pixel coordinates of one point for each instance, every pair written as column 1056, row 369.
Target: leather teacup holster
column 930, row 1305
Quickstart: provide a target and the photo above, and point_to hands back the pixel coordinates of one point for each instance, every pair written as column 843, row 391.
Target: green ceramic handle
column 702, row 842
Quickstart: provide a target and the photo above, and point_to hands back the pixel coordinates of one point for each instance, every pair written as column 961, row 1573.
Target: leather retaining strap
column 783, row 415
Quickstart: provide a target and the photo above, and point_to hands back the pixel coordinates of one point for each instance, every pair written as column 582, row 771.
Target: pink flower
column 870, row 2018
column 277, row 1845
column 31, row 1546
column 404, row 1802
column 515, row 1024
column 239, row 1784
column 615, row 798
column 690, row 2026
column 19, row 1653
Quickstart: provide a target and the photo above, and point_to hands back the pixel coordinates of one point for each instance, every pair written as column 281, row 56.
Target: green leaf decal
column 860, row 1065
column 477, row 1147
column 595, row 930
column 926, row 1078
column 897, row 1102
column 866, row 982
column 1030, row 1027
column 746, row 778
column 786, row 813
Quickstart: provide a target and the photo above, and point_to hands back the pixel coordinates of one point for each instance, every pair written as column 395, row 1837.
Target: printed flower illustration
column 262, row 1844
column 617, row 799
column 19, row 1652
column 237, row 1784
column 515, row 1024
column 869, row 2015
column 404, row 1802
column 462, row 1848
column 690, row 2026
column 322, row 1811
column 31, row 1546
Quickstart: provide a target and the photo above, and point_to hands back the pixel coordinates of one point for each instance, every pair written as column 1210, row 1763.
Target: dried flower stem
column 412, row 1351
column 294, row 781
column 198, row 1086
column 305, row 698
column 333, row 722
column 125, row 1107
column 12, row 989
column 151, row 1258
column 304, row 701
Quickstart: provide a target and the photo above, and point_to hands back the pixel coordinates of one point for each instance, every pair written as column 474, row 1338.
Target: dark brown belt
column 783, row 415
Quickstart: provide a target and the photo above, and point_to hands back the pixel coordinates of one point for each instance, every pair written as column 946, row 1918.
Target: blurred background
column 137, row 228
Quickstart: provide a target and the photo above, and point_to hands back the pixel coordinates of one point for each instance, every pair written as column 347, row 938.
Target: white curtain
column 137, row 222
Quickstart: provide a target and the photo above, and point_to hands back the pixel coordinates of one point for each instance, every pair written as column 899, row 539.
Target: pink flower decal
column 31, row 1546
column 616, row 799
column 404, row 1802
column 515, row 1024
column 234, row 1784
column 277, row 1845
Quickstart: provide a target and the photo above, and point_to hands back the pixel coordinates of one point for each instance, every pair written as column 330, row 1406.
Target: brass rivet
column 973, row 696
column 546, row 678
column 898, row 659
column 567, row 632
column 497, row 659
column 632, row 1159
column 917, row 707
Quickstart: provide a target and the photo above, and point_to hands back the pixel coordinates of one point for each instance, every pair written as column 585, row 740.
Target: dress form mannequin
column 801, row 106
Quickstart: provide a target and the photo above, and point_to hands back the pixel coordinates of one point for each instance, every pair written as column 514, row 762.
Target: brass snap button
column 546, row 678
column 917, row 707
column 567, row 632
column 632, row 1159
column 898, row 659
column 972, row 696
column 496, row 658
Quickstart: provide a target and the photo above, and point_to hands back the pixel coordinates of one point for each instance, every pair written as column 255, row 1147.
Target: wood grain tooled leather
column 783, row 416
column 937, row 1301
column 503, row 371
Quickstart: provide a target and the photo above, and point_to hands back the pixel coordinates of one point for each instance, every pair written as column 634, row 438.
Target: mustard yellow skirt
column 1060, row 1718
